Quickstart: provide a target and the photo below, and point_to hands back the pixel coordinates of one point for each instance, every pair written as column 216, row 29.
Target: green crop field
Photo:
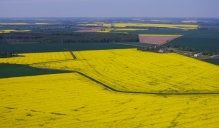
column 213, row 61
column 16, row 70
column 137, row 44
column 200, row 41
column 30, row 48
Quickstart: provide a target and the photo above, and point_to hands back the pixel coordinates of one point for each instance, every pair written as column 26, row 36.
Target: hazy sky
column 109, row 8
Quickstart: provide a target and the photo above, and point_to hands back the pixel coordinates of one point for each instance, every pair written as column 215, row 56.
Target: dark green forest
column 66, row 37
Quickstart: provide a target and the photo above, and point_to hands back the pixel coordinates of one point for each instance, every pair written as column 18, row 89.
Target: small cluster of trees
column 155, row 49
column 187, row 49
column 150, row 49
column 195, row 50
column 181, row 48
column 208, row 52
column 5, row 54
column 172, row 48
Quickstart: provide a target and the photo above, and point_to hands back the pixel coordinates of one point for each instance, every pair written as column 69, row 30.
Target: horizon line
column 105, row 17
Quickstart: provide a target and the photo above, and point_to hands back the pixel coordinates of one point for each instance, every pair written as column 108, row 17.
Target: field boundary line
column 130, row 92
column 50, row 61
column 129, row 44
column 73, row 55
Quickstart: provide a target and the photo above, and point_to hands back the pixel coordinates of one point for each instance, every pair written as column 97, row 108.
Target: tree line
column 67, row 37
column 171, row 48
column 156, row 48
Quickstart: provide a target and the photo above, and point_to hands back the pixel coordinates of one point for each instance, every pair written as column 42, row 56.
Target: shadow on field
column 16, row 70
column 107, row 87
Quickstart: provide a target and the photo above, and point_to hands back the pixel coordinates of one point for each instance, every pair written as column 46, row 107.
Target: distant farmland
column 177, row 26
column 11, row 30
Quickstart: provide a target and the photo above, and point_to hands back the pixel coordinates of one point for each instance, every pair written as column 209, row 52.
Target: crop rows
column 71, row 100
column 135, row 71
column 31, row 58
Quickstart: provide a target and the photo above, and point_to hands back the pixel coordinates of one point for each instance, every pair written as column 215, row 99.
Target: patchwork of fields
column 177, row 26
column 128, row 76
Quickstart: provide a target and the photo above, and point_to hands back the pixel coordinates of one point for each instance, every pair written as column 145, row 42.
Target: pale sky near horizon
column 109, row 8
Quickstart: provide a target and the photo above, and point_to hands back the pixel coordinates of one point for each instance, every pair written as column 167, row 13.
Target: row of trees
column 195, row 50
column 150, row 49
column 70, row 37
column 155, row 49
column 171, row 49
column 208, row 52
column 182, row 48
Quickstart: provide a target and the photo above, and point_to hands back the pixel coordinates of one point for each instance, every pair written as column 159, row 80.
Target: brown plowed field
column 156, row 39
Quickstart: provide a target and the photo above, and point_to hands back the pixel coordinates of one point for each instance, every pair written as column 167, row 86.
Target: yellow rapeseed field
column 178, row 26
column 71, row 100
column 128, row 29
column 31, row 58
column 104, row 31
column 11, row 30
column 136, row 71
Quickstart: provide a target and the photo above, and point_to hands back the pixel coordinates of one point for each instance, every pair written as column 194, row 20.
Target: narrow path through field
column 73, row 55
column 113, row 89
